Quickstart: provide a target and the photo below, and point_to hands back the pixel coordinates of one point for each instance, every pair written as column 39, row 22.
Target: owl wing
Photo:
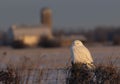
column 81, row 54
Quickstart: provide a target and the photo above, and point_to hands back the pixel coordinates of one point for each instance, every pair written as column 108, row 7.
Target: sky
column 66, row 13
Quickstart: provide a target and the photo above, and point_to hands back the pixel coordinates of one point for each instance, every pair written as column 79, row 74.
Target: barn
column 31, row 35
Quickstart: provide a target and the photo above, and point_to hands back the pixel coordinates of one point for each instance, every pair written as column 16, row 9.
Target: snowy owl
column 80, row 54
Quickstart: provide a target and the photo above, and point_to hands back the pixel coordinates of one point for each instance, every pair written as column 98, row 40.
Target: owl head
column 77, row 43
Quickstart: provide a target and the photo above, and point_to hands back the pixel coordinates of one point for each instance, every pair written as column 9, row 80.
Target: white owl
column 80, row 54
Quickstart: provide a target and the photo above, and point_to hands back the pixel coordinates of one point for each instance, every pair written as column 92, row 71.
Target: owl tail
column 91, row 66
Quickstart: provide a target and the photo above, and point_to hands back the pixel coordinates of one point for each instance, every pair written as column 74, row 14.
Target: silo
column 46, row 17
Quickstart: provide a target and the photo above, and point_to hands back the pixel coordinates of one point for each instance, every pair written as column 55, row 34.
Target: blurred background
column 37, row 34
column 39, row 23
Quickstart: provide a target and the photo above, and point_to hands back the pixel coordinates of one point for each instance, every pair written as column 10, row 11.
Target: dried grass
column 24, row 73
column 27, row 73
column 102, row 74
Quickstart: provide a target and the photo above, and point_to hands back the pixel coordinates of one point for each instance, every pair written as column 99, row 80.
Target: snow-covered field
column 57, row 57
column 54, row 59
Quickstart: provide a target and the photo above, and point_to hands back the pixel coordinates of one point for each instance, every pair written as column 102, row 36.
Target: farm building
column 29, row 35
column 32, row 35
